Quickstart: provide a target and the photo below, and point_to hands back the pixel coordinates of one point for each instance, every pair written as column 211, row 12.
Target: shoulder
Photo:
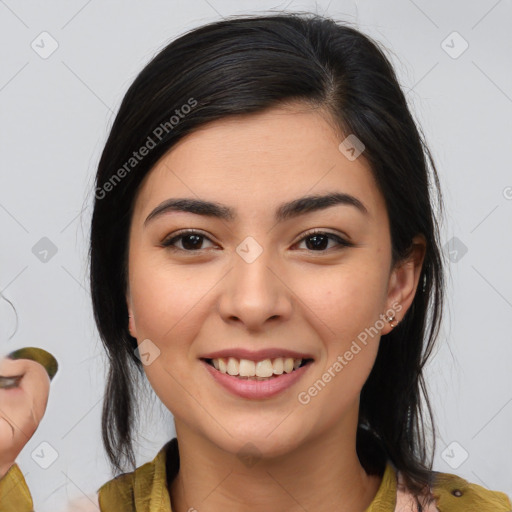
column 142, row 486
column 451, row 493
column 454, row 493
column 21, row 499
column 118, row 493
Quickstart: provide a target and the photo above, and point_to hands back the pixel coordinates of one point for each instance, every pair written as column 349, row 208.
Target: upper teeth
column 248, row 368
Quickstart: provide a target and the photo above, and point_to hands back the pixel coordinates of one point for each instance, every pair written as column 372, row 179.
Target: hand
column 22, row 405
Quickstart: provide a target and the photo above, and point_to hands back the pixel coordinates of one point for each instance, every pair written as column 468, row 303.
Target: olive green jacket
column 145, row 490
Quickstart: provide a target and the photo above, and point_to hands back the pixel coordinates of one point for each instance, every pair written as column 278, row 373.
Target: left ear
column 403, row 281
column 131, row 320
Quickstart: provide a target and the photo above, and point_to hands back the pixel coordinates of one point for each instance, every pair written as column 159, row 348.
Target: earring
column 392, row 322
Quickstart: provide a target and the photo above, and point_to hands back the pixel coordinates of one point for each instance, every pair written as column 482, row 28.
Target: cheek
column 164, row 297
column 170, row 307
column 346, row 299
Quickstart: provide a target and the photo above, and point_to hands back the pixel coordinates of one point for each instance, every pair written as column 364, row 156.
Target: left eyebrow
column 285, row 211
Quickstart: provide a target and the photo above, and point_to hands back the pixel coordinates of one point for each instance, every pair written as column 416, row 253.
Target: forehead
column 256, row 161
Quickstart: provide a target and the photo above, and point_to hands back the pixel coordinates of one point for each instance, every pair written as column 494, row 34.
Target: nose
column 255, row 293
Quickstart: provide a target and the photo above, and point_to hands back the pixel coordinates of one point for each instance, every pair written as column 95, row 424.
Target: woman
column 264, row 248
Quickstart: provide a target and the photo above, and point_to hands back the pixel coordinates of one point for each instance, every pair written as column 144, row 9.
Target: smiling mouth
column 266, row 369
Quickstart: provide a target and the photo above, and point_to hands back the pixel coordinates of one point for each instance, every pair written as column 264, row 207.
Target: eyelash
column 10, row 382
column 168, row 243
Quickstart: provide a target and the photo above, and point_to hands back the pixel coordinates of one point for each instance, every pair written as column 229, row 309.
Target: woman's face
column 24, row 389
column 258, row 280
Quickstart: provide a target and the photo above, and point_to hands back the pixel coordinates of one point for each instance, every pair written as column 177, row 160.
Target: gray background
column 55, row 116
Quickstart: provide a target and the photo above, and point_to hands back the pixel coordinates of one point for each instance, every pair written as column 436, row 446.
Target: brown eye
column 192, row 241
column 318, row 240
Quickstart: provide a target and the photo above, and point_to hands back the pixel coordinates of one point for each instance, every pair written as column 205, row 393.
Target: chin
column 261, row 441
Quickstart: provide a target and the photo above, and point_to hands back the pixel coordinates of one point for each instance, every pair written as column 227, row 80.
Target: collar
column 145, row 489
column 385, row 499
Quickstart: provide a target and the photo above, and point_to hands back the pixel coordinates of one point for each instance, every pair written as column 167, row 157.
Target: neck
column 322, row 474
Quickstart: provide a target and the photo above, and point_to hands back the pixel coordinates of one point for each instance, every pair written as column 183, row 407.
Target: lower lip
column 256, row 389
